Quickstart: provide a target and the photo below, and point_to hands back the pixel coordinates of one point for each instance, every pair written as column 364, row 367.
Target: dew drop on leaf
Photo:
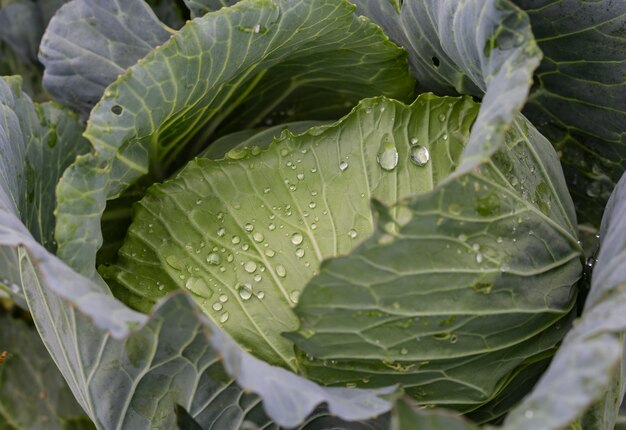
column 258, row 237
column 387, row 156
column 420, row 155
column 352, row 233
column 248, row 227
column 235, row 240
column 213, row 258
column 280, row 271
column 245, row 291
column 217, row 306
column 250, row 266
column 224, row 317
column 296, row 239
column 223, row 298
column 299, row 252
column 343, row 166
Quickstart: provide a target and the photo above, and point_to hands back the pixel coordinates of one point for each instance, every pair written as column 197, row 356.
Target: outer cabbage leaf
column 260, row 223
column 303, row 53
column 33, row 394
column 477, row 47
column 201, row 7
column 22, row 23
column 579, row 98
column 406, row 415
column 89, row 43
column 584, row 384
column 46, row 139
column 125, row 369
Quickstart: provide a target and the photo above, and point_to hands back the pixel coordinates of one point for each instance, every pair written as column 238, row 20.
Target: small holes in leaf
column 117, row 110
column 435, row 61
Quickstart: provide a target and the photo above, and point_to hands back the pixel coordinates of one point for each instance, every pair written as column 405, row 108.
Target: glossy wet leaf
column 481, row 270
column 261, row 221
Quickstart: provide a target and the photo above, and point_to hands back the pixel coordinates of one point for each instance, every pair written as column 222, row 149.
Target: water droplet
column 272, row 227
column 295, row 296
column 270, row 253
column 296, row 239
column 442, row 117
column 248, row 227
column 387, row 156
column 479, row 258
column 223, row 298
column 300, row 176
column 245, row 246
column 258, row 237
column 217, row 306
column 444, row 137
column 352, row 233
column 280, row 271
column 250, row 266
column 404, row 351
column 267, row 190
column 312, row 205
column 172, row 260
column 260, row 295
column 343, row 166
column 245, row 291
column 414, row 140
column 213, row 258
column 299, row 252
column 224, row 317
column 420, row 155
column 235, row 240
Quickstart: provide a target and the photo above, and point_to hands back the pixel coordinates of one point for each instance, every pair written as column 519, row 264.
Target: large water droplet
column 387, row 156
column 258, row 237
column 223, row 298
column 281, row 271
column 173, row 262
column 420, row 155
column 296, row 239
column 213, row 258
column 299, row 252
column 250, row 266
column 245, row 291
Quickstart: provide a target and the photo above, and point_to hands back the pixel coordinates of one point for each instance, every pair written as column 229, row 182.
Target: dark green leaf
column 33, row 394
column 579, row 98
column 584, row 384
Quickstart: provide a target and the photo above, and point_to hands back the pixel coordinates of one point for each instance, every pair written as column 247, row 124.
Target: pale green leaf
column 261, row 222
